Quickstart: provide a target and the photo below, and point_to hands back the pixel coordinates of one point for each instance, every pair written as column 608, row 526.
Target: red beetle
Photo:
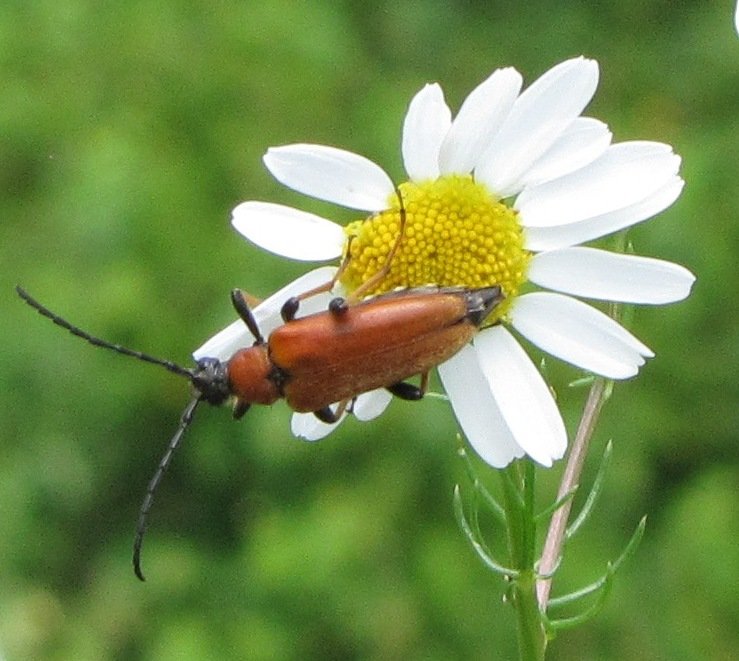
column 323, row 358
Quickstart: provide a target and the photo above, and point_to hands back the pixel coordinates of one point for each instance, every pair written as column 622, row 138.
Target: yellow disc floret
column 456, row 233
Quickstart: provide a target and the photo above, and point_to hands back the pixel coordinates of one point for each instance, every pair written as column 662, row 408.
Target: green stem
column 518, row 498
column 532, row 638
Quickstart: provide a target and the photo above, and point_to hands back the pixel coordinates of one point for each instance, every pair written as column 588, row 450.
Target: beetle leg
column 367, row 285
column 243, row 310
column 424, row 383
column 240, row 408
column 289, row 308
column 328, row 415
column 291, row 305
column 338, row 306
column 408, row 391
column 405, row 390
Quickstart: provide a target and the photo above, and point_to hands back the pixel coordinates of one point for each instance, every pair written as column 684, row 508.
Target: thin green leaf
column 632, row 545
column 475, row 522
column 582, row 382
column 576, row 595
column 613, row 567
column 589, row 613
column 464, row 525
column 593, row 495
column 488, row 499
column 549, row 575
column 548, row 511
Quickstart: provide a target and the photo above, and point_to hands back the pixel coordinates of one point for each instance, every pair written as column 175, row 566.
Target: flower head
column 502, row 194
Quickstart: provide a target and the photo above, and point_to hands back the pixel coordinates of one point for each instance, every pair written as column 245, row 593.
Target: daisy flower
column 502, row 194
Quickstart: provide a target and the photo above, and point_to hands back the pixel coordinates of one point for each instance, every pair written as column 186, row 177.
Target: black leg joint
column 338, row 306
column 243, row 310
column 405, row 390
column 290, row 308
column 326, row 415
column 240, row 408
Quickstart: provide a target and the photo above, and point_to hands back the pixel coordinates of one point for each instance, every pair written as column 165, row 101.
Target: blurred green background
column 128, row 131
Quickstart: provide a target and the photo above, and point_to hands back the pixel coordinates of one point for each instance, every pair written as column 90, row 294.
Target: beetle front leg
column 370, row 283
column 244, row 311
column 408, row 391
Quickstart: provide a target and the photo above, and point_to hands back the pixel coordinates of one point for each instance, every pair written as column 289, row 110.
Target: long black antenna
column 148, row 501
column 96, row 341
column 207, row 380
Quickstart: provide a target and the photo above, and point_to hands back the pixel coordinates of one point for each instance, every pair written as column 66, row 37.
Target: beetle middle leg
column 408, row 391
column 329, row 416
column 291, row 305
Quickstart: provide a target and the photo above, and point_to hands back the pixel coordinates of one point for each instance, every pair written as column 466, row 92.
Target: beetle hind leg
column 408, row 391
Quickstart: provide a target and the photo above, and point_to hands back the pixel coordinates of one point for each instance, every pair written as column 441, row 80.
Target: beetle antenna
column 96, row 341
column 143, row 522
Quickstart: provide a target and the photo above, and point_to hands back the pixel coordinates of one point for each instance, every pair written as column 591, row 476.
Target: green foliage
column 127, row 133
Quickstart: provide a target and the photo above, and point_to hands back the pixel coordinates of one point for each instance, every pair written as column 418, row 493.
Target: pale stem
column 558, row 525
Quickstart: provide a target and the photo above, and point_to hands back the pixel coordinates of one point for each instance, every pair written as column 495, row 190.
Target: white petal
column 476, row 409
column 609, row 276
column 225, row 343
column 331, row 174
column 625, row 174
column 371, row 404
column 522, row 395
column 538, row 117
column 478, row 121
column 310, row 428
column 368, row 406
column 288, row 232
column 236, row 336
column 581, row 143
column 426, row 123
column 579, row 334
column 268, row 312
column 562, row 236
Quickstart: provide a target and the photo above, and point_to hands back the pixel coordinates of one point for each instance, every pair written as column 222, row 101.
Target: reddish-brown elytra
column 321, row 359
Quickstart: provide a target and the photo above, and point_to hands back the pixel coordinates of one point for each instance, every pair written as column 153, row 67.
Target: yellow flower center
column 456, row 233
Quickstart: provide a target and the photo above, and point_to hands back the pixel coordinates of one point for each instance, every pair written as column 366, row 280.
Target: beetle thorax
column 251, row 376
